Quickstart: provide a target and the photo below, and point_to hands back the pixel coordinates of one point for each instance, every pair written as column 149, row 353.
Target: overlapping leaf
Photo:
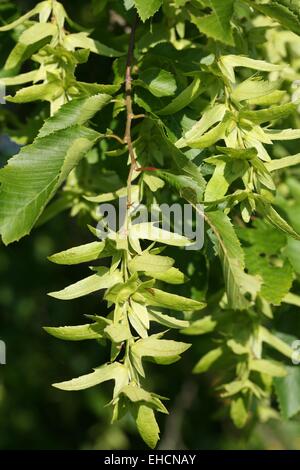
column 32, row 177
column 238, row 282
column 217, row 24
column 148, row 8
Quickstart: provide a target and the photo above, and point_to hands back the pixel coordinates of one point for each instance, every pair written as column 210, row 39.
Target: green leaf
column 186, row 186
column 292, row 299
column 148, row 262
column 275, row 369
column 44, row 92
column 128, row 4
column 102, row 280
column 284, row 162
column 253, row 87
column 181, row 164
column 218, row 185
column 217, row 24
column 148, row 231
column 35, row 11
column 60, row 204
column 234, row 387
column 228, row 247
column 76, row 333
column 230, row 200
column 227, row 63
column 208, row 119
column 45, row 12
column 200, row 327
column 166, row 320
column 77, row 111
column 207, row 361
column 31, row 178
column 263, row 238
column 95, row 88
column 121, row 291
column 137, row 394
column 139, row 318
column 270, row 114
column 171, row 276
column 187, row 96
column 81, row 40
column 153, row 347
column 153, row 182
column 275, row 219
column 185, row 167
column 239, row 154
column 79, row 254
column 226, row 172
column 270, row 99
column 159, row 298
column 59, row 13
column 286, row 134
column 275, row 342
column 75, row 25
column 30, row 41
column 147, row 425
column 141, row 312
column 211, row 137
column 147, row 8
column 236, row 347
column 276, row 280
column 286, row 12
column 263, row 173
column 159, row 82
column 238, row 412
column 20, row 79
column 288, row 392
column 232, row 257
column 106, row 197
column 117, row 332
column 293, row 253
column 115, row 371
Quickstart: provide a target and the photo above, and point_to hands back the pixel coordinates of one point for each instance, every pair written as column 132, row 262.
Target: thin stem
column 115, row 137
column 133, row 166
column 138, row 116
column 130, row 115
